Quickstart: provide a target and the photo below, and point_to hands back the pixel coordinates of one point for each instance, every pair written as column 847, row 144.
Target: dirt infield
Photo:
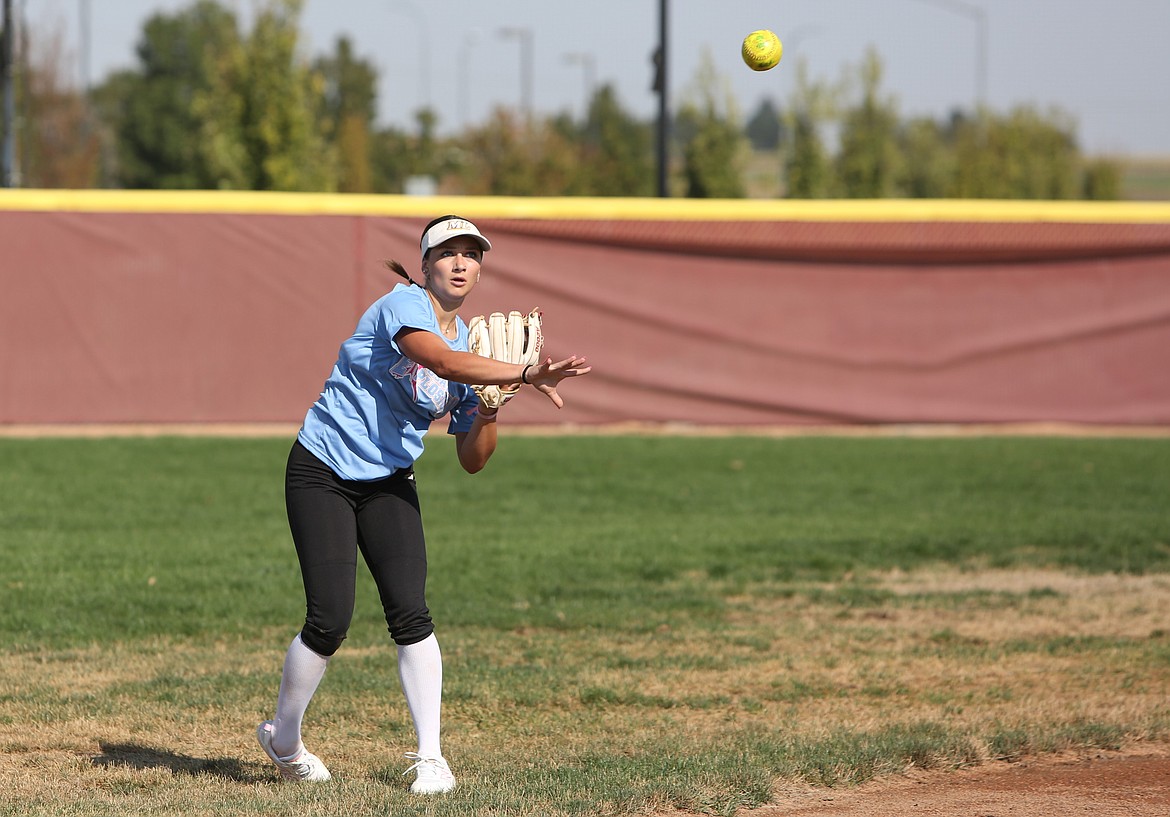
column 1134, row 783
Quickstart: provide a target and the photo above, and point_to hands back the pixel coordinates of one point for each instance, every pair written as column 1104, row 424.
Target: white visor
column 452, row 228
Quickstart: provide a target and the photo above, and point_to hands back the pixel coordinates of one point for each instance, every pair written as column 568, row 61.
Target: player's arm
column 475, row 447
column 428, row 349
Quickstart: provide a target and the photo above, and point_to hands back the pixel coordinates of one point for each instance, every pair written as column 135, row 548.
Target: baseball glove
column 515, row 338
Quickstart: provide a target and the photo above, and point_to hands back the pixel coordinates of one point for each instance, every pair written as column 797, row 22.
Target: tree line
column 210, row 105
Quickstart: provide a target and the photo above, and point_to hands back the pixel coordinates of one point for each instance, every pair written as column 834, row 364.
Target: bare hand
column 545, row 376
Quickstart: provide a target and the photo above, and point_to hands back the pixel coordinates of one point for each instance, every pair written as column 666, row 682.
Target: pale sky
column 1105, row 62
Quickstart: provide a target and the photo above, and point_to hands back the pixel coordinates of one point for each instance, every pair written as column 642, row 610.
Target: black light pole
column 7, row 71
column 86, row 38
column 524, row 35
column 424, row 55
column 589, row 63
column 662, row 86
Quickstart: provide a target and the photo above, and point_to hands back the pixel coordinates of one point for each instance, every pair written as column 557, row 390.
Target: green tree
column 347, row 113
column 929, row 162
column 1042, row 159
column 515, row 155
column 390, row 160
column 1019, row 155
column 396, row 155
column 807, row 173
column 209, row 107
column 617, row 157
column 1102, row 180
column 153, row 111
column 765, row 129
column 714, row 149
column 868, row 162
column 426, row 148
column 282, row 138
column 574, row 135
column 220, row 111
column 807, row 163
column 59, row 140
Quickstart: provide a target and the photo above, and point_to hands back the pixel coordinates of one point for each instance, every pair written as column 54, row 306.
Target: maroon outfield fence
column 131, row 307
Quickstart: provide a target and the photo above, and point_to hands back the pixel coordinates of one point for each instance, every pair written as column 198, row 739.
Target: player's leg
column 420, row 670
column 301, row 675
column 321, row 518
column 390, row 535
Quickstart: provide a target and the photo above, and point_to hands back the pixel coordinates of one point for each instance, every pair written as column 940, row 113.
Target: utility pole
column 86, row 38
column 589, row 64
column 662, row 86
column 424, row 55
column 524, row 35
column 8, row 171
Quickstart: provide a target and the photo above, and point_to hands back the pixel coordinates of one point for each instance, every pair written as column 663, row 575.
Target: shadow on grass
column 136, row 756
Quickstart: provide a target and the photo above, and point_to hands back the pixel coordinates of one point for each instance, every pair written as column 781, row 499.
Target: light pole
column 469, row 41
column 525, row 37
column 8, row 172
column 662, row 87
column 85, row 38
column 424, row 55
column 589, row 65
column 976, row 13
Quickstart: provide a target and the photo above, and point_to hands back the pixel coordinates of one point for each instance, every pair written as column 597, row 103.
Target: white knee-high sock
column 420, row 669
column 303, row 671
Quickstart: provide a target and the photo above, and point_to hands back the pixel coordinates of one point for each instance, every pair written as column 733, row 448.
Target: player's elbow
column 473, row 462
column 473, row 459
column 446, row 367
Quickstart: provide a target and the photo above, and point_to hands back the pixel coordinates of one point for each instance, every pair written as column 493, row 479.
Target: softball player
column 349, row 486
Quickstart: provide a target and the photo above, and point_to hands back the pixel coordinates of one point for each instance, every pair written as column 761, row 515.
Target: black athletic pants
column 331, row 520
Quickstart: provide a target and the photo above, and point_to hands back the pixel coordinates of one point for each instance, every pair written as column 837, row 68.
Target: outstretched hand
column 545, row 376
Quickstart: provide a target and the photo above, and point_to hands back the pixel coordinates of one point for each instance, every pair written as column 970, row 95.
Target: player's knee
column 322, row 641
column 410, row 629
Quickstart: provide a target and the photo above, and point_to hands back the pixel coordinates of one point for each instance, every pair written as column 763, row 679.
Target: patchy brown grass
column 983, row 652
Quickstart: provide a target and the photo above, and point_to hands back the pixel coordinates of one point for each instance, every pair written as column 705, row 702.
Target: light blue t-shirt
column 377, row 403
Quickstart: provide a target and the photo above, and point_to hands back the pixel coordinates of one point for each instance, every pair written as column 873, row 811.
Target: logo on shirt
column 403, row 369
column 429, row 391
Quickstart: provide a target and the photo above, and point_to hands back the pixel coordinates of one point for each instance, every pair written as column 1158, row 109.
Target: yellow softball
column 762, row 50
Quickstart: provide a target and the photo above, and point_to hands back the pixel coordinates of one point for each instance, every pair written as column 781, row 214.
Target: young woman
column 349, row 486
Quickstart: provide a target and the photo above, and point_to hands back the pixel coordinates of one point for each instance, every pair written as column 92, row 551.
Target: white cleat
column 432, row 774
column 305, row 766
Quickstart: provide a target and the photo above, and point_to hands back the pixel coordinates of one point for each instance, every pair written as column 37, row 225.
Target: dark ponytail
column 401, row 270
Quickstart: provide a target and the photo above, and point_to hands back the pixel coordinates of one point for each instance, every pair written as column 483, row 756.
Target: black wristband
column 524, row 375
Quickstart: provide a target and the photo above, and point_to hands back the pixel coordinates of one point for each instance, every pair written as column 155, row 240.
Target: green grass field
column 629, row 624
